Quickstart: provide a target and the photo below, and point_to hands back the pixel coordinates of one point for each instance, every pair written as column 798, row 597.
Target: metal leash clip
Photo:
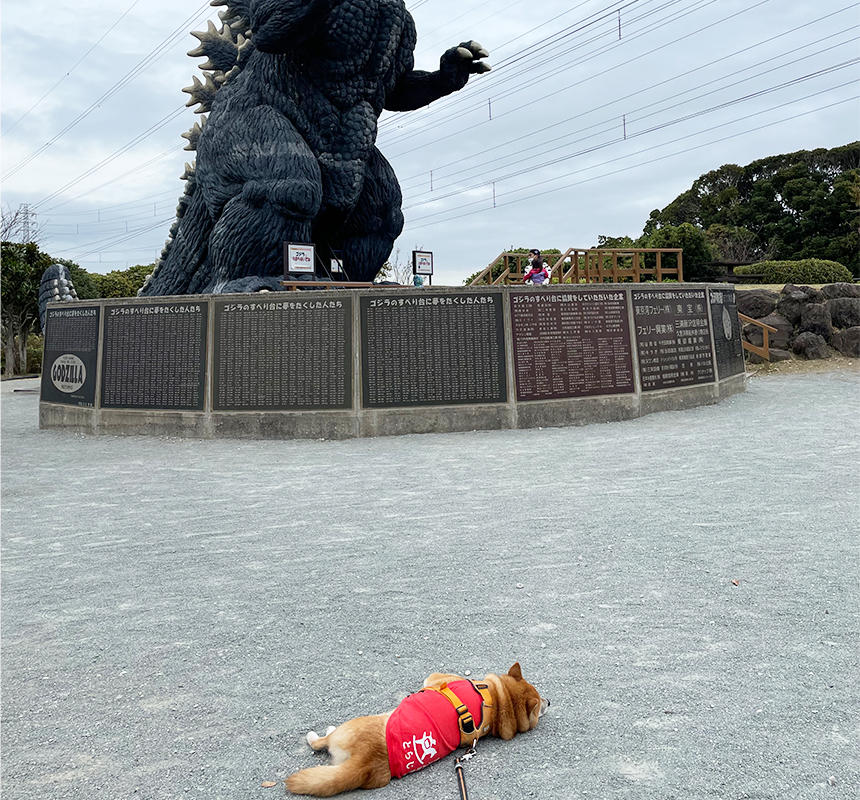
column 458, row 770
column 468, row 755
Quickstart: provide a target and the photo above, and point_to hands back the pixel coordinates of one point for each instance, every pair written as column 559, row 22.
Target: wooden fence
column 591, row 265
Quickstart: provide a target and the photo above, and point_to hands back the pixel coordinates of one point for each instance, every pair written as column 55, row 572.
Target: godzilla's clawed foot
column 251, row 283
column 466, row 57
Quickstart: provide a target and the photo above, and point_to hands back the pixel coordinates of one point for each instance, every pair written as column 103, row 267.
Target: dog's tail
column 326, row 781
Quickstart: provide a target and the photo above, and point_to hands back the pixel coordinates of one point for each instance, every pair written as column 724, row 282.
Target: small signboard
column 298, row 257
column 336, row 263
column 69, row 361
column 422, row 262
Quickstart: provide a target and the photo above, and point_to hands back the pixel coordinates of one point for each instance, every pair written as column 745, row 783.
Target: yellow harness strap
column 464, row 717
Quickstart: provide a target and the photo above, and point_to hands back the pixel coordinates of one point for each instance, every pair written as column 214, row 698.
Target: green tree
column 138, row 274
column 615, row 242
column 22, row 268
column 787, row 207
column 86, row 285
column 115, row 283
column 734, row 244
column 697, row 252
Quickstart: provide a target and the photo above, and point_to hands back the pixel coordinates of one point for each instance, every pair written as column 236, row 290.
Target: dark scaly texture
column 288, row 150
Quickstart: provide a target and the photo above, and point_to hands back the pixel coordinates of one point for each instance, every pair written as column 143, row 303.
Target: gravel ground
column 176, row 614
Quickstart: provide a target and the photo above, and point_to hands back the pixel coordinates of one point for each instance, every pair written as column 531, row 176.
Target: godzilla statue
column 293, row 90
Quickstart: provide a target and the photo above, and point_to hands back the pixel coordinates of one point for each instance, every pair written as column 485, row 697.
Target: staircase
column 590, row 265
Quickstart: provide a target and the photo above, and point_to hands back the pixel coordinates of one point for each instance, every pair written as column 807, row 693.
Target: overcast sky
column 589, row 120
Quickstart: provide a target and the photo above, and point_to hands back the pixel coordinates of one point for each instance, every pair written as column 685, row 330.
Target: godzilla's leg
column 272, row 191
column 367, row 235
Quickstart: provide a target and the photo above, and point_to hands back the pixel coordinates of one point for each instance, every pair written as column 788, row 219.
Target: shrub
column 809, row 270
column 34, row 353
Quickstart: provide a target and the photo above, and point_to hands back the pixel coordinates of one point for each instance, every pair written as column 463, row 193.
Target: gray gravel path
column 176, row 614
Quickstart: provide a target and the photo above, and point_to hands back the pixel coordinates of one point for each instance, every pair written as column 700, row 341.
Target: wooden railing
column 766, row 330
column 589, row 265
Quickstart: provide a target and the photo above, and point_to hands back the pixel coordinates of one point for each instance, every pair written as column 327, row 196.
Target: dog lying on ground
column 447, row 713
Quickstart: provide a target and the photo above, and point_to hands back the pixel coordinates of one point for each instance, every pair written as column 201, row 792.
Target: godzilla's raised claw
column 464, row 59
column 472, row 51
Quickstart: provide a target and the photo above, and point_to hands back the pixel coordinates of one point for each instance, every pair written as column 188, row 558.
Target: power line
column 404, row 117
column 405, row 181
column 135, row 169
column 457, row 212
column 124, row 149
column 608, row 125
column 586, row 57
column 152, row 55
column 653, row 129
column 103, row 243
column 73, row 67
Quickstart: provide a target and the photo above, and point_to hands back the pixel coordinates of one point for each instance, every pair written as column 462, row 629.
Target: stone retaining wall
column 809, row 322
column 347, row 363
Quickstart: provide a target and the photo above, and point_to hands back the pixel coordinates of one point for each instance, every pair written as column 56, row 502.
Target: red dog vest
column 425, row 727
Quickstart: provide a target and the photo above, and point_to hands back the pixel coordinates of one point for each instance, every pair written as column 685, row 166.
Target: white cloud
column 585, row 81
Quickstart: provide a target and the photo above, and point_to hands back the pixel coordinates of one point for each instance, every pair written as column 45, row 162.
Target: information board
column 70, row 355
column 673, row 338
column 727, row 332
column 570, row 343
column 283, row 354
column 426, row 348
column 154, row 355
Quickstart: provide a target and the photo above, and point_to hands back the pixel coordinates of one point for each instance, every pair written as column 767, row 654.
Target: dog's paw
column 330, row 730
column 312, row 736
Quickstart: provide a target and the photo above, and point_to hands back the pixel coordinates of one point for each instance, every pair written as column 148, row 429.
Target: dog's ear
column 515, row 672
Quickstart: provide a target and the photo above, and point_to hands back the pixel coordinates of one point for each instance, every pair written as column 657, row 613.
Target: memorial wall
column 344, row 363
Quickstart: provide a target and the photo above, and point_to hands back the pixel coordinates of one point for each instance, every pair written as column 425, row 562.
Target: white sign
column 422, row 262
column 300, row 257
column 68, row 373
column 335, row 266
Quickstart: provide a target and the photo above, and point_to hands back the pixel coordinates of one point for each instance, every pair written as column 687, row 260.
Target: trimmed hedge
column 808, row 270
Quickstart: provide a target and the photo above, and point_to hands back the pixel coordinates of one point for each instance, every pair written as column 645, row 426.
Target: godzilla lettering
column 293, row 90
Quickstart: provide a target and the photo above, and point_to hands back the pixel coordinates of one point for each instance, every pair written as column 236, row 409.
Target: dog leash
column 458, row 769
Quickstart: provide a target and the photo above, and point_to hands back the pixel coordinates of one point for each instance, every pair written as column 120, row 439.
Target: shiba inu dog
column 447, row 713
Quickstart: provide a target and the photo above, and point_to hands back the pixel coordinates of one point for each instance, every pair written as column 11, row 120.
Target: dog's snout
column 544, row 705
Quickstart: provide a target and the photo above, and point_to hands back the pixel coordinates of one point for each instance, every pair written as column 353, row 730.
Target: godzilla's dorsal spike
column 231, row 74
column 244, row 47
column 201, row 93
column 218, row 46
column 236, row 14
column 192, row 135
column 195, row 87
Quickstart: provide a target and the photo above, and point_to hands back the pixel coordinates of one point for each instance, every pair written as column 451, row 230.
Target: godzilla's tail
column 185, row 250
column 56, row 285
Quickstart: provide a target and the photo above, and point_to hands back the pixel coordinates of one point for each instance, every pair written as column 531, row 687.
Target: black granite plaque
column 425, row 348
column 570, row 343
column 277, row 354
column 727, row 332
column 154, row 355
column 673, row 337
column 70, row 355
